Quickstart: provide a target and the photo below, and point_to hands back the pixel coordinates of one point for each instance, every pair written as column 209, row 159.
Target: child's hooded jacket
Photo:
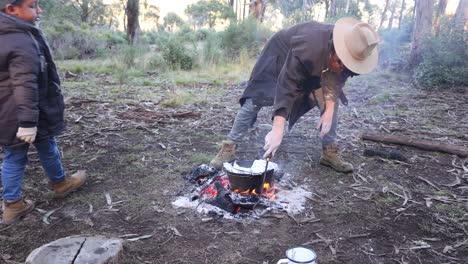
column 30, row 92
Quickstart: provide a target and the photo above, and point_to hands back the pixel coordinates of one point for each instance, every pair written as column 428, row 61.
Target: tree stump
column 79, row 249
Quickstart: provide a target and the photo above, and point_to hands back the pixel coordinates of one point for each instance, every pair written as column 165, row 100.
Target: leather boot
column 331, row 157
column 12, row 212
column 69, row 184
column 226, row 154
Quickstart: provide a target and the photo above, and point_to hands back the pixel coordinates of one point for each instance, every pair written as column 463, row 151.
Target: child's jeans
column 16, row 159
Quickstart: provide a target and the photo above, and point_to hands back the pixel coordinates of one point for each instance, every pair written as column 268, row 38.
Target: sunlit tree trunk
column 383, row 14
column 422, row 27
column 133, row 26
column 243, row 8
column 439, row 12
column 327, row 5
column 461, row 15
column 392, row 14
column 401, row 13
column 347, row 6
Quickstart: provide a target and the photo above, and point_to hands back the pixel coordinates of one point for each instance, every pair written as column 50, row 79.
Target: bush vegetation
column 160, row 51
column 444, row 59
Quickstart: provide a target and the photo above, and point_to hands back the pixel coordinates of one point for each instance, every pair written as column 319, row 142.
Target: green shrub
column 202, row 34
column 212, row 50
column 247, row 33
column 175, row 52
column 444, row 59
column 73, row 42
column 179, row 98
column 156, row 61
column 114, row 38
column 129, row 54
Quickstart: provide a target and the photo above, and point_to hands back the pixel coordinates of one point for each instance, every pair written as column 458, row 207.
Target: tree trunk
column 332, row 8
column 255, row 8
column 461, row 15
column 327, row 5
column 347, row 6
column 439, row 12
column 262, row 14
column 84, row 11
column 243, row 8
column 133, row 26
column 383, row 14
column 392, row 15
column 401, row 13
column 422, row 27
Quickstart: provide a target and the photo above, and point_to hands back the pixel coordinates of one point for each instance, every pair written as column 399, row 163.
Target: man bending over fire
column 303, row 66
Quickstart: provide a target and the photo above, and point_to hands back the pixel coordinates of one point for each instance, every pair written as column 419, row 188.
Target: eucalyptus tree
column 209, row 12
column 132, row 11
column 422, row 27
column 171, row 21
column 89, row 11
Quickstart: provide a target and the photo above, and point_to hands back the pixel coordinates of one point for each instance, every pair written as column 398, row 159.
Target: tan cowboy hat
column 355, row 44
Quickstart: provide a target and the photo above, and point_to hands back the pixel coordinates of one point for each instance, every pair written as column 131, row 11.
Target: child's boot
column 69, row 184
column 226, row 154
column 13, row 211
column 331, row 157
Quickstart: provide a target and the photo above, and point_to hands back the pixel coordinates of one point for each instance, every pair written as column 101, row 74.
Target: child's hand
column 27, row 134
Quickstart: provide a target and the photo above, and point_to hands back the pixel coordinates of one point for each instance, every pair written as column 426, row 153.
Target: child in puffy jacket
column 31, row 107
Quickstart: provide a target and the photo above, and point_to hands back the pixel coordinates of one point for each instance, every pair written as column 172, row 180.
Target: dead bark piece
column 79, row 250
column 392, row 154
column 418, row 143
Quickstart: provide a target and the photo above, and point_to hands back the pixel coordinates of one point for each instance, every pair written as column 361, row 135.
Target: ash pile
column 242, row 189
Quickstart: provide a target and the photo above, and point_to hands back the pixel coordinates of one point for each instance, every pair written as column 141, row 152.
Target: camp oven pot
column 247, row 181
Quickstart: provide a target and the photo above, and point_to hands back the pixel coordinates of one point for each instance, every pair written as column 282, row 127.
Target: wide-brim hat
column 355, row 43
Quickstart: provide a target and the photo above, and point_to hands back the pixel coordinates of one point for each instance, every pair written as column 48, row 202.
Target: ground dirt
column 138, row 141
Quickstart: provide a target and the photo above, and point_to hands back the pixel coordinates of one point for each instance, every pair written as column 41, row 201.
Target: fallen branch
column 418, row 143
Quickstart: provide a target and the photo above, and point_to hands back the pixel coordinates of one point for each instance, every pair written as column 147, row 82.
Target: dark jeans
column 247, row 116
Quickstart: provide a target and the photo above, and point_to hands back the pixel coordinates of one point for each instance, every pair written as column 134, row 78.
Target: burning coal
column 238, row 192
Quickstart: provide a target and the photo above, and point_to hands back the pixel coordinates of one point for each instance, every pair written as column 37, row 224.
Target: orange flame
column 268, row 191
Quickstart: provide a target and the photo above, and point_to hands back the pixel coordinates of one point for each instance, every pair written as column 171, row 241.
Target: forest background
column 425, row 38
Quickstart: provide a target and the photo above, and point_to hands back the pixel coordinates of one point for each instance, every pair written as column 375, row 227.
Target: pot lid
column 256, row 167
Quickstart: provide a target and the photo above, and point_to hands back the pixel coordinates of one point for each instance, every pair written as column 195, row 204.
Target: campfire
column 242, row 189
column 220, row 193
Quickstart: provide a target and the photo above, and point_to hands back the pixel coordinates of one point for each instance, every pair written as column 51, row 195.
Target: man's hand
column 325, row 122
column 27, row 134
column 272, row 142
column 274, row 137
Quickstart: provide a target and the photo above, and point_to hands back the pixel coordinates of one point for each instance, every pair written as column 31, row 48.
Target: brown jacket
column 290, row 67
column 30, row 94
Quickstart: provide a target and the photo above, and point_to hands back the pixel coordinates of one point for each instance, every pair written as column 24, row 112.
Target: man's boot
column 331, row 157
column 69, row 184
column 226, row 154
column 12, row 212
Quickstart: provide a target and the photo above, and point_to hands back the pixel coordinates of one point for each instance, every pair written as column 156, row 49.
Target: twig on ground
column 359, row 235
column 428, row 182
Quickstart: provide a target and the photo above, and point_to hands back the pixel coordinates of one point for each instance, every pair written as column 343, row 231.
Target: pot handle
column 282, row 261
